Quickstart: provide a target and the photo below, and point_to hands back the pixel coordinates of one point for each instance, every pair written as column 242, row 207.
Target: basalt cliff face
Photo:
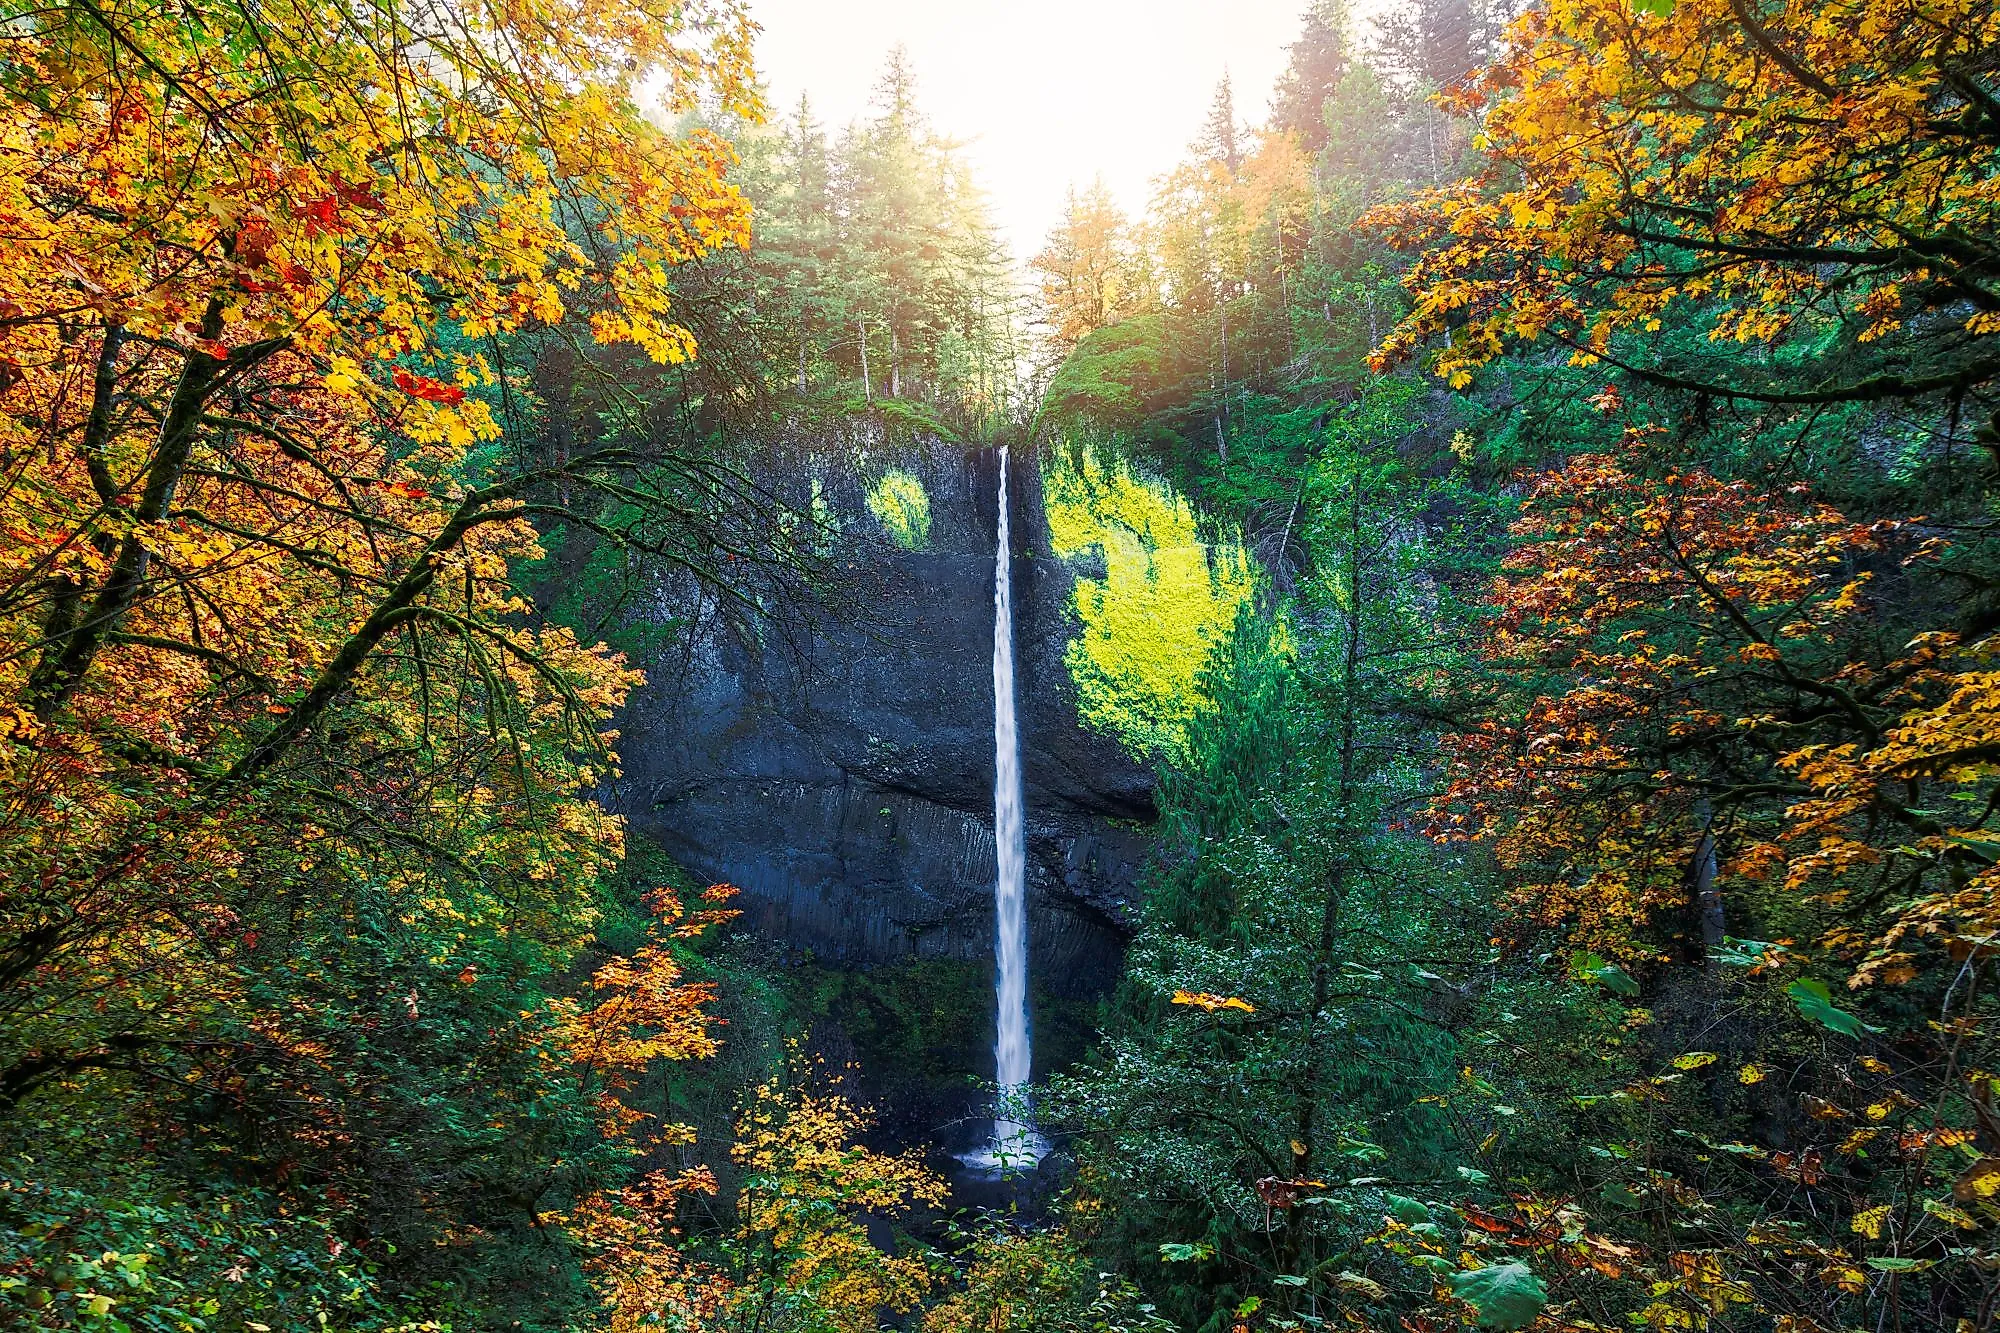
column 834, row 760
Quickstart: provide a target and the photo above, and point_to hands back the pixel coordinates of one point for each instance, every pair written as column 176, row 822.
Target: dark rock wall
column 835, row 760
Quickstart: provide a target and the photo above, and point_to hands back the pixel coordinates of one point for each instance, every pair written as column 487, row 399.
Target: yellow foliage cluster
column 645, row 1013
column 804, row 1203
column 1715, row 160
column 358, row 181
column 1211, row 1003
column 1945, row 749
column 1092, row 271
column 903, row 508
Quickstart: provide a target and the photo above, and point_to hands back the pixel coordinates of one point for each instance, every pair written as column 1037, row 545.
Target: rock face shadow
column 834, row 760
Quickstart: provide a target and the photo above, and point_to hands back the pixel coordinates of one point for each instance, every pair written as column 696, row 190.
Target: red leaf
column 321, row 215
column 428, row 389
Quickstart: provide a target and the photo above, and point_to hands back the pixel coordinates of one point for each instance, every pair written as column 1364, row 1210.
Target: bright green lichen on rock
column 899, row 503
column 1150, row 614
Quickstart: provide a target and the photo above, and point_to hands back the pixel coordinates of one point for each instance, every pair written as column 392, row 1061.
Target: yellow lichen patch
column 1148, row 619
column 900, row 504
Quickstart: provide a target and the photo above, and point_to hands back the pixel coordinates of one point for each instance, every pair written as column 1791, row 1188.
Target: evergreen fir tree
column 1319, row 61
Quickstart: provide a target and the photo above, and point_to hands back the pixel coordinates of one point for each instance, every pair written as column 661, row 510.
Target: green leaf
column 1733, row 952
column 1175, row 1253
column 1815, row 1001
column 1899, row 1265
column 1593, row 967
column 1659, row 9
column 1507, row 1296
column 1408, row 1211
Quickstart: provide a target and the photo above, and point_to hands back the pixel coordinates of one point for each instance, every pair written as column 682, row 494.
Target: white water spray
column 1014, row 1144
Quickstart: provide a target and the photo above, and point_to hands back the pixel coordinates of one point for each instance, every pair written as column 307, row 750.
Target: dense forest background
column 1575, row 891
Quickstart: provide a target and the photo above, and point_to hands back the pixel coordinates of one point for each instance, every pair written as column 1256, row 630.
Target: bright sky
column 1047, row 92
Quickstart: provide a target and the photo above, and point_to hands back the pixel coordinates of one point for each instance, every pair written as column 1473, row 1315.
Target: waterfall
column 1014, row 1143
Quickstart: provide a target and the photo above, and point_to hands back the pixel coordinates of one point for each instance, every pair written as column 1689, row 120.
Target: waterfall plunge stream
column 1015, row 1146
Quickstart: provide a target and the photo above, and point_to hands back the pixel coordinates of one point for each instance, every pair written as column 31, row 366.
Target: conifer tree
column 1319, row 61
column 1220, row 139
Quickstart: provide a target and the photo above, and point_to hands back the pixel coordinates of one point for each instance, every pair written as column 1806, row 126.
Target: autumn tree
column 1090, row 271
column 1732, row 752
column 644, row 1014
column 810, row 1184
column 1805, row 183
column 296, row 783
column 248, row 387
column 1677, row 647
column 1718, row 777
column 1041, row 1281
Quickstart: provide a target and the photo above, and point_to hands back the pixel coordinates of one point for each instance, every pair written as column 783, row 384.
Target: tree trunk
column 1222, row 407
column 1225, row 350
column 867, row 390
column 1329, row 924
column 1706, row 897
column 66, row 659
column 1306, row 1117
